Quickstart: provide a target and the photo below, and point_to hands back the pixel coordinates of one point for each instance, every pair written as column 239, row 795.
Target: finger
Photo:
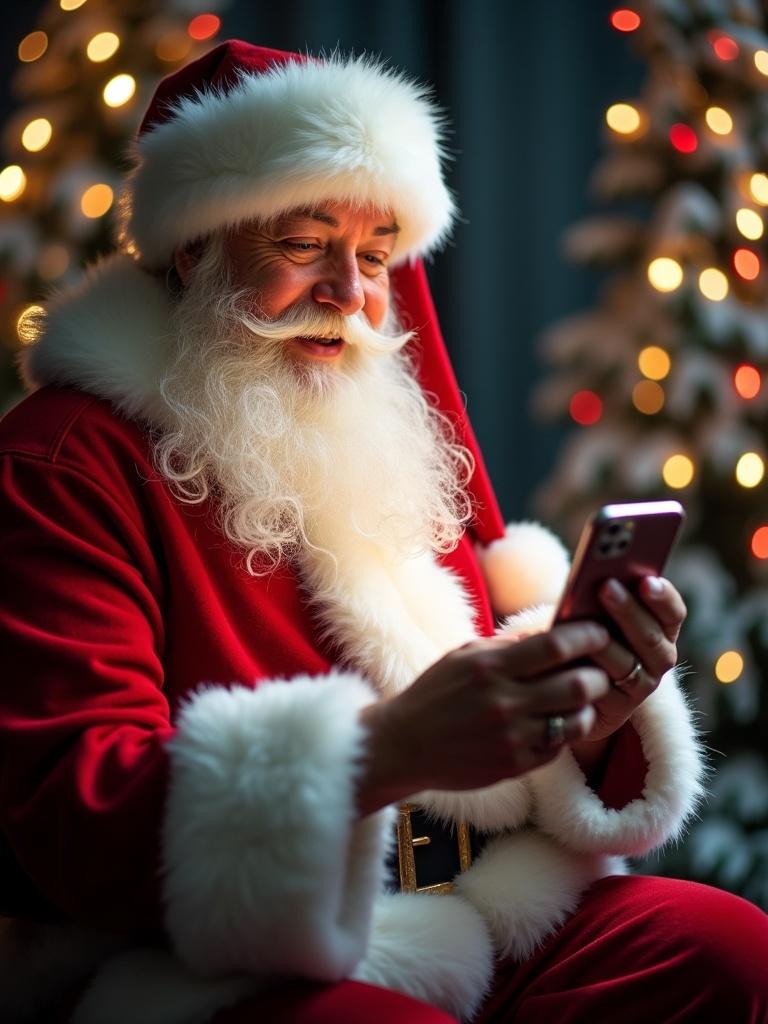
column 618, row 663
column 562, row 692
column 665, row 603
column 557, row 647
column 642, row 631
column 575, row 726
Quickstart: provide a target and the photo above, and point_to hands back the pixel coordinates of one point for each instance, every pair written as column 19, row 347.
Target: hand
column 480, row 714
column 651, row 625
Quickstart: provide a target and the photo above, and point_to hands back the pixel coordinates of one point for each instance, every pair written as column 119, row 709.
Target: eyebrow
column 326, row 218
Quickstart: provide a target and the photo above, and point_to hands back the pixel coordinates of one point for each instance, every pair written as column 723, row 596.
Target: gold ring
column 555, row 734
column 631, row 676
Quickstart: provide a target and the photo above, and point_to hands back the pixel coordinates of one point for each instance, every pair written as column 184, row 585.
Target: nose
column 339, row 287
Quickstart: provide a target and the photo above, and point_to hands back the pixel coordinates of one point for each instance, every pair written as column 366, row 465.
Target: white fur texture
column 267, row 867
column 569, row 810
column 528, row 565
column 435, row 948
column 344, row 130
column 108, row 336
column 525, row 885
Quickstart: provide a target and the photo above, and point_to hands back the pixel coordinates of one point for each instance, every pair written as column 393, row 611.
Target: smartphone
column 623, row 542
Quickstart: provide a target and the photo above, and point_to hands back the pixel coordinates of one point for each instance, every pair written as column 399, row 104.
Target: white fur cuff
column 267, row 868
column 566, row 808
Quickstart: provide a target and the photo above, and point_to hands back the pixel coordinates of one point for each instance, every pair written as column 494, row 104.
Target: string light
column 758, row 187
column 28, row 324
column 719, row 120
column 750, row 223
column 119, row 90
column 665, row 274
column 746, row 264
column 759, row 543
column 203, row 26
column 625, row 20
column 677, row 471
column 648, row 397
column 713, row 284
column 33, row 46
column 586, row 408
column 729, row 667
column 761, row 61
column 727, row 49
column 747, row 380
column 96, row 200
column 654, row 362
column 13, row 181
column 750, row 469
column 102, row 46
column 623, row 118
column 37, row 134
column 683, row 138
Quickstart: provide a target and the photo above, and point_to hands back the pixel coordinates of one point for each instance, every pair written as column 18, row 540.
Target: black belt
column 431, row 854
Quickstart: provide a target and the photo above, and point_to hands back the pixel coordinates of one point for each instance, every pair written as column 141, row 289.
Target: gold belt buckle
column 406, row 845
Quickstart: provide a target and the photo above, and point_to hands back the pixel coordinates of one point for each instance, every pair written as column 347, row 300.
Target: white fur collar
column 109, row 337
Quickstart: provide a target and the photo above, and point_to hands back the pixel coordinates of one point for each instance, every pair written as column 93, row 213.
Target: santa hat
column 248, row 132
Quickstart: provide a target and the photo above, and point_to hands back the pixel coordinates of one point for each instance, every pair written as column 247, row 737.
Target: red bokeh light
column 747, row 380
column 725, row 47
column 683, row 138
column 746, row 264
column 760, row 542
column 586, row 408
column 204, row 26
column 625, row 20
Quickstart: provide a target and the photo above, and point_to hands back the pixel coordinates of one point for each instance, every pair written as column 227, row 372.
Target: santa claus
column 259, row 594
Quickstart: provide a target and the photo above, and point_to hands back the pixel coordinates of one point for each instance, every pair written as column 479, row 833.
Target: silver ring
column 555, row 733
column 631, row 676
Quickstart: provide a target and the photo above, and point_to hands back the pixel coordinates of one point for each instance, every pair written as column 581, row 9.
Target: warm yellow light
column 713, row 284
column 37, row 134
column 665, row 274
column 13, row 181
column 173, row 46
column 103, row 46
column 654, row 362
column 29, row 323
column 750, row 469
column 719, row 120
column 677, row 471
column 119, row 90
column 96, row 200
column 729, row 667
column 33, row 46
column 758, row 186
column 623, row 118
column 750, row 223
column 648, row 397
column 761, row 61
column 70, row 5
column 53, row 261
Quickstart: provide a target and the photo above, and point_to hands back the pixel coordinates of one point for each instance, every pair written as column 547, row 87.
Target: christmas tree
column 665, row 379
column 85, row 75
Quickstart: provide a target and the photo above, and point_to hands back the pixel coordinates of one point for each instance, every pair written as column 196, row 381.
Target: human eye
column 301, row 244
column 374, row 259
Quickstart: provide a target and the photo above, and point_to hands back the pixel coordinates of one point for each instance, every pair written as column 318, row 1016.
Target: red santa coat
column 134, row 800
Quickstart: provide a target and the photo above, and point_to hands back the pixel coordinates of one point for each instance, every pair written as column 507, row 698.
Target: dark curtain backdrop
column 525, row 85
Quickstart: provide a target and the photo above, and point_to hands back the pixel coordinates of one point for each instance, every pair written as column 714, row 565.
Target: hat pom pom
column 528, row 565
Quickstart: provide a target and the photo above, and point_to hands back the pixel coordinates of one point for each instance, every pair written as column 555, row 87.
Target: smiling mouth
column 321, row 346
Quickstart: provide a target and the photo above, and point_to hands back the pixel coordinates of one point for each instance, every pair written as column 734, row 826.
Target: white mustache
column 310, row 322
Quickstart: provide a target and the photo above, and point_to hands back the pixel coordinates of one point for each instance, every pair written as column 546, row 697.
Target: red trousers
column 639, row 950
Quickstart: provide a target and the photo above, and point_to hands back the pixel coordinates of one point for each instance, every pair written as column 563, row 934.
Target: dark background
column 526, row 86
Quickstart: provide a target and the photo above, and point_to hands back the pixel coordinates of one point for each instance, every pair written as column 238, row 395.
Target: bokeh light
column 119, row 90
column 33, row 46
column 70, row 5
column 13, row 181
column 96, row 200
column 203, row 26
column 759, row 543
column 719, row 120
column 173, row 46
column 37, row 134
column 747, row 380
column 53, row 261
column 729, row 667
column 102, row 46
column 586, row 408
column 726, row 48
column 678, row 471
column 665, row 274
column 683, row 138
column 28, row 324
column 625, row 20
column 648, row 397
column 654, row 362
column 750, row 469
column 746, row 264
column 758, row 187
column 713, row 284
column 750, row 223
column 761, row 61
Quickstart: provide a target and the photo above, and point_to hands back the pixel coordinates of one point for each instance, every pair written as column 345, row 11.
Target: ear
column 186, row 258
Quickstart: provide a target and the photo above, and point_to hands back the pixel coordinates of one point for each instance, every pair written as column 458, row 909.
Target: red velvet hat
column 246, row 132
